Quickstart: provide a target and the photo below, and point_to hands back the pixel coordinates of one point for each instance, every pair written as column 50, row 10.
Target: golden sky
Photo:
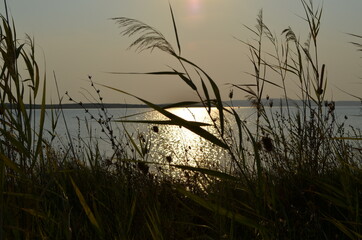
column 79, row 39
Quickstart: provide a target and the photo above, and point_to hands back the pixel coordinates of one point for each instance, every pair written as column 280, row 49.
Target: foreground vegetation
column 296, row 176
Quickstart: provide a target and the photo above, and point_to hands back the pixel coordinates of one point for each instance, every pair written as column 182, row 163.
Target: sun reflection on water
column 178, row 145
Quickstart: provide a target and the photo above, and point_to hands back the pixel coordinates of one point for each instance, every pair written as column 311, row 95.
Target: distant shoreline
column 236, row 103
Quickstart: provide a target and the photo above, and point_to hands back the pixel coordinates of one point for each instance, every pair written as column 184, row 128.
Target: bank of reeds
column 297, row 175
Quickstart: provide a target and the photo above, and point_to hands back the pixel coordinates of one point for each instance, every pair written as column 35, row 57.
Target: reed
column 304, row 148
column 296, row 176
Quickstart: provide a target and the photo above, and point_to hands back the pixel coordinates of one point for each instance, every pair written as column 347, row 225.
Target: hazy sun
column 194, row 6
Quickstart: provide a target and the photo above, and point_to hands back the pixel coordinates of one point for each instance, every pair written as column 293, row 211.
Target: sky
column 78, row 38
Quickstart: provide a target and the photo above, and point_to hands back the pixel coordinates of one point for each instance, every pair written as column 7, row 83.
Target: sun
column 194, row 6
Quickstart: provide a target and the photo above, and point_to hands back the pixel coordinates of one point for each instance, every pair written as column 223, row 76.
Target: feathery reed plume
column 149, row 39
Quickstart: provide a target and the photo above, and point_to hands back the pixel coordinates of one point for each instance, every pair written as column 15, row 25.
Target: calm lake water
column 164, row 142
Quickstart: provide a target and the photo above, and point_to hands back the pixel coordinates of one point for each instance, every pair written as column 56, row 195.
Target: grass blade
column 9, row 163
column 85, row 206
column 146, row 73
column 177, row 120
column 206, row 92
column 215, row 88
column 222, row 211
column 186, row 80
column 134, row 143
column 38, row 150
column 175, row 29
column 167, row 122
column 206, row 171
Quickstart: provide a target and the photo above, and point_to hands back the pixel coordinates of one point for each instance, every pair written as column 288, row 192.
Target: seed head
column 155, row 129
column 231, row 94
column 267, row 143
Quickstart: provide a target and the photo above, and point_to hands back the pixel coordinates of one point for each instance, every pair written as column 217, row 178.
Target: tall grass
column 21, row 137
column 304, row 147
column 297, row 175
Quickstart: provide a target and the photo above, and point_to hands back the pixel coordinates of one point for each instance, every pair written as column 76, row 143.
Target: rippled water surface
column 166, row 143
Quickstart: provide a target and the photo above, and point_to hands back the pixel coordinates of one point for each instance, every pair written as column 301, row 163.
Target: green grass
column 296, row 176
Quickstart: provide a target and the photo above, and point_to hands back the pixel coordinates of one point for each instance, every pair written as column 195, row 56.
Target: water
column 164, row 143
